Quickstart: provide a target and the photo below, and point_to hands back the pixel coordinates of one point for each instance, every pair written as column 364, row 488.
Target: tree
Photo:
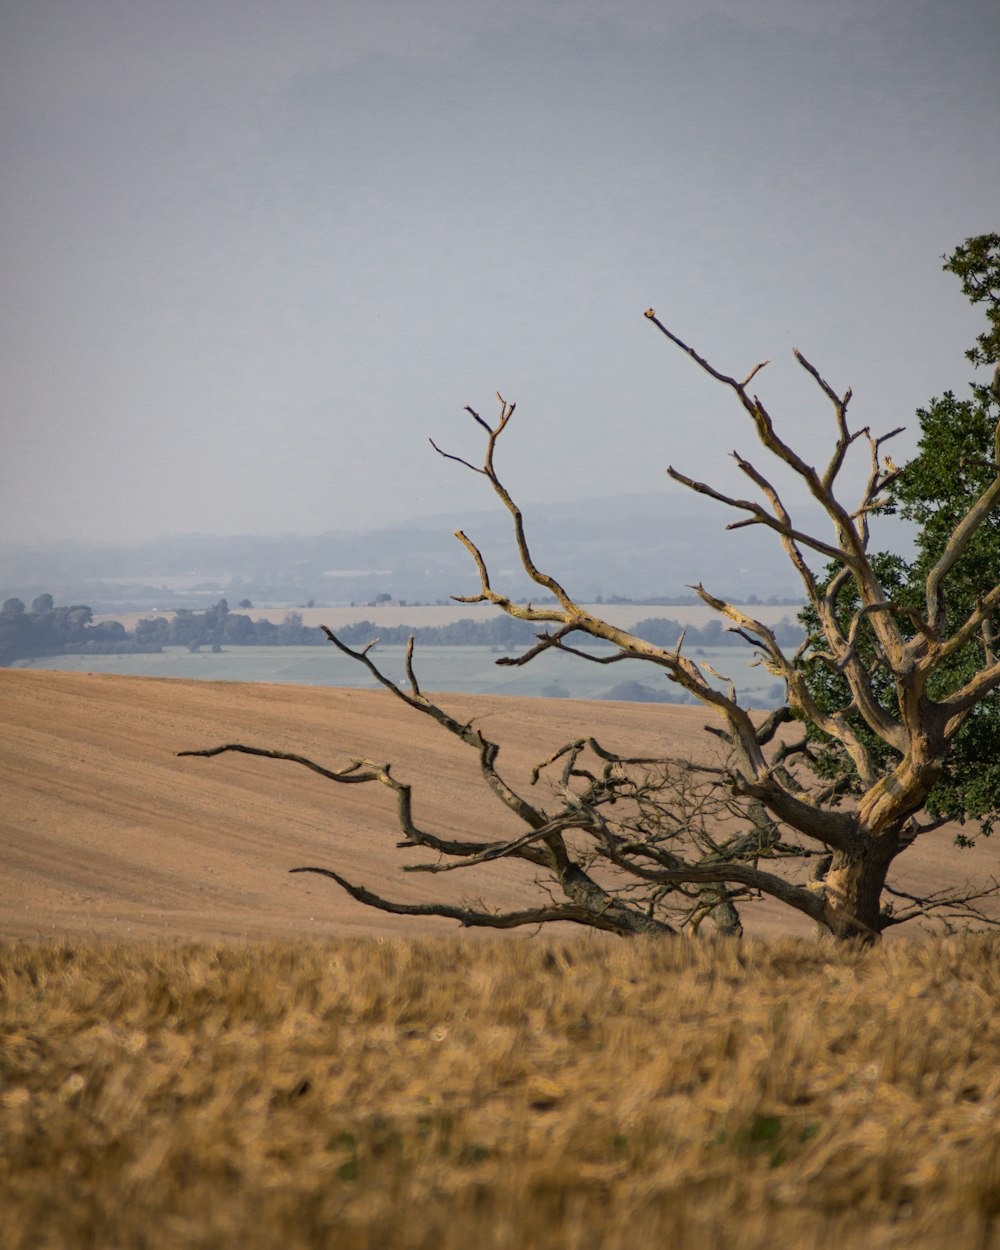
column 152, row 633
column 899, row 670
column 239, row 630
column 954, row 466
column 291, row 630
column 110, row 631
column 43, row 603
column 214, row 624
column 15, row 631
column 956, row 461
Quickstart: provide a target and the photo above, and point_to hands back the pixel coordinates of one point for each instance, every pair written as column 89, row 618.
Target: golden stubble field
column 199, row 1050
column 419, row 1093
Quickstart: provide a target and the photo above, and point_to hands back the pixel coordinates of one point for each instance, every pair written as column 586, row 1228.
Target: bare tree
column 649, row 845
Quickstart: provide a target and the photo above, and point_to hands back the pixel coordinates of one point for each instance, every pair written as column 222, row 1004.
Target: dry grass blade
column 442, row 1093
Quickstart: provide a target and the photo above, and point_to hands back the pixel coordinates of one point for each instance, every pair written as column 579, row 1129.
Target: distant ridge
column 643, row 546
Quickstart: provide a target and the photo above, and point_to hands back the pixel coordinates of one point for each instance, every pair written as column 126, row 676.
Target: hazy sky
column 253, row 253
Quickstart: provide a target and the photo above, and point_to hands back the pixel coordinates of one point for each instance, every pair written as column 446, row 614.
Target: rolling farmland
column 470, row 670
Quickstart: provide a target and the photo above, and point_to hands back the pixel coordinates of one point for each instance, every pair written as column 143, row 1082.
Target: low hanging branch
column 638, row 843
column 652, row 845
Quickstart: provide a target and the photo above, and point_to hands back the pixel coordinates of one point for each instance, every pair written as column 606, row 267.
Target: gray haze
column 253, row 254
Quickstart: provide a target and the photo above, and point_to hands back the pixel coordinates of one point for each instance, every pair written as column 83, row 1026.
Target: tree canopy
column 953, row 467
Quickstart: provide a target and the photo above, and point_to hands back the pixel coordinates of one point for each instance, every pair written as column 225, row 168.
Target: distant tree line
column 49, row 630
column 216, row 627
column 665, row 633
column 504, row 631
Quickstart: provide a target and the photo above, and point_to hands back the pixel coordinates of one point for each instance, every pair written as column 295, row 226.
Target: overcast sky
column 253, row 253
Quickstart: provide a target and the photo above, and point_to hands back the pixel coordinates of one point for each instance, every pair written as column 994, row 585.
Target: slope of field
column 106, row 833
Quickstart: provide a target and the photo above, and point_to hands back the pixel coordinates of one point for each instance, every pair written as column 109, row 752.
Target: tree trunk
column 726, row 918
column 853, row 887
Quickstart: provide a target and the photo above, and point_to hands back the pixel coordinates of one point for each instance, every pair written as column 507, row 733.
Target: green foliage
column 952, row 468
column 977, row 263
column 955, row 462
column 48, row 630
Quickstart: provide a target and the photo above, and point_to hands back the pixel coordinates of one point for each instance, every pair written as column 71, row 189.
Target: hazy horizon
column 255, row 255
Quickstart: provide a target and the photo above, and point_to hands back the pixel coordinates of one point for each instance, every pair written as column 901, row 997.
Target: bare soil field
column 105, row 833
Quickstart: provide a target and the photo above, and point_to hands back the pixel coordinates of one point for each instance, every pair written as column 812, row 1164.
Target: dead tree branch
column 632, row 843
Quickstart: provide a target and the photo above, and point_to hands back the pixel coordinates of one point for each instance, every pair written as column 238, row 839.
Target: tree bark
column 853, row 885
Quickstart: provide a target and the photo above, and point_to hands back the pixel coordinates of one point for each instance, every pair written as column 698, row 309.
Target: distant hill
column 635, row 546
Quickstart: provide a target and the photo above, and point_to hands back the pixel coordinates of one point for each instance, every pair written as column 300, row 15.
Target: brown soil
column 106, row 833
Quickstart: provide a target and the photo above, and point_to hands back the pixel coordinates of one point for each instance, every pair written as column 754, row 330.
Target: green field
column 469, row 670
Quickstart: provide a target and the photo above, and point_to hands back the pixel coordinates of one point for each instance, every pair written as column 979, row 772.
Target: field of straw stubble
column 511, row 1095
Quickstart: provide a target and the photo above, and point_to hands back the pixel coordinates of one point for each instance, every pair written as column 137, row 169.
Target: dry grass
column 504, row 1096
